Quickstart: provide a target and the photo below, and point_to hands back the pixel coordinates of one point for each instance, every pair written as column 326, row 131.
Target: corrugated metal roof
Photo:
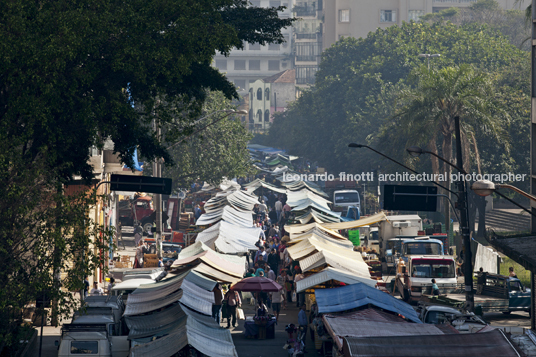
column 329, row 274
column 194, row 290
column 155, row 324
column 340, row 327
column 215, row 274
column 144, row 307
column 196, row 303
column 326, row 258
column 489, row 344
column 162, row 347
column 356, row 295
column 215, row 260
column 200, row 280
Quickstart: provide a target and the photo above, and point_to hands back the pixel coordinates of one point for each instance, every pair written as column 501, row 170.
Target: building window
column 240, row 84
column 250, row 96
column 254, row 46
column 273, row 65
column 415, row 15
column 274, row 47
column 388, row 16
column 259, row 115
column 259, row 94
column 307, row 51
column 267, row 95
column 266, row 115
column 239, row 64
column 254, row 65
column 305, row 74
column 344, row 15
column 221, row 64
column 250, row 116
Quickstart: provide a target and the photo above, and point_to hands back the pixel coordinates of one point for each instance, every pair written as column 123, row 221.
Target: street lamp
column 464, row 212
column 427, row 56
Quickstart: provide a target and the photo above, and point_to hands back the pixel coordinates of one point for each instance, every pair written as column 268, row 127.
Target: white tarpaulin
column 230, row 239
column 486, row 258
column 329, row 274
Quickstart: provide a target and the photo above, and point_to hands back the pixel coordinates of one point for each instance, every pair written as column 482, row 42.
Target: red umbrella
column 257, row 283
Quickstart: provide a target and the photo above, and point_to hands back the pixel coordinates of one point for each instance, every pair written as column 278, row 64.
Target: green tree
column 75, row 73
column 357, row 84
column 216, row 149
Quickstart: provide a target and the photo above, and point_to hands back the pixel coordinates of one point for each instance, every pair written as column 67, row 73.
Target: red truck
column 139, row 210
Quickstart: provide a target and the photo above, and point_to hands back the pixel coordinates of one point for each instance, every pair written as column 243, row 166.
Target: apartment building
column 356, row 18
column 243, row 67
column 307, row 43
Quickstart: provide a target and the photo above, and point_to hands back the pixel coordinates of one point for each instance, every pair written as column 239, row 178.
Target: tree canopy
column 74, row 73
column 359, row 82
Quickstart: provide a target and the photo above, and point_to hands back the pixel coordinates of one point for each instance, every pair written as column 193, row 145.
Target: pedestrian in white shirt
column 96, row 290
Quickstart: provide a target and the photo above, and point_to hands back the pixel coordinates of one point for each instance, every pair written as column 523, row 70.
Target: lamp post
column 427, row 56
column 485, row 188
column 464, row 212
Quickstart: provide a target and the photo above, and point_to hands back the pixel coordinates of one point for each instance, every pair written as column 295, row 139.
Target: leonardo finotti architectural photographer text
column 406, row 177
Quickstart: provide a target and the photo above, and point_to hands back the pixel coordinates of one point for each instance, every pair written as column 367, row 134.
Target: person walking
column 233, row 302
column 138, row 261
column 511, row 272
column 111, row 285
column 297, row 277
column 218, row 298
column 273, row 261
column 278, row 208
column 302, row 321
column 277, row 298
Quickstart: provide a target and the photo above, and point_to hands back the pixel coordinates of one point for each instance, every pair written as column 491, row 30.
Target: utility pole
column 464, row 222
column 157, row 172
column 532, row 158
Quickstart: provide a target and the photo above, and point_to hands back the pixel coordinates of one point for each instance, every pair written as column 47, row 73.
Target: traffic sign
column 410, row 198
column 141, row 184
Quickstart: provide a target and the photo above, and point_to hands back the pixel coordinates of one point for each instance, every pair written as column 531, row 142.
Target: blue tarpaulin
column 356, row 295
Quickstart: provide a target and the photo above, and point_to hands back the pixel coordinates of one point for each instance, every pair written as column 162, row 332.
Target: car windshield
column 432, row 268
column 515, row 286
column 422, row 248
column 437, row 317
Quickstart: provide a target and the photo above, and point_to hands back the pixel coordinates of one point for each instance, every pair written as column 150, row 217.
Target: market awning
column 143, row 307
column 326, row 258
column 228, row 214
column 489, row 344
column 298, row 198
column 200, row 280
column 323, row 278
column 230, row 239
column 378, row 217
column 215, row 274
column 215, row 260
column 155, row 324
column 357, row 295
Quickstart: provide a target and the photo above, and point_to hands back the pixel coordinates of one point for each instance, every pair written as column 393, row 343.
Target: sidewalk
column 269, row 347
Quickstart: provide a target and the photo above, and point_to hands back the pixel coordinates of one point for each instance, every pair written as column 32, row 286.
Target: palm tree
column 426, row 111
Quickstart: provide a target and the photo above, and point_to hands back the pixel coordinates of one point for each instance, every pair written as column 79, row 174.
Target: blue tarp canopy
column 356, row 295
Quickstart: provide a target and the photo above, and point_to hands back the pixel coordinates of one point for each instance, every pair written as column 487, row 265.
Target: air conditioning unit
column 401, row 224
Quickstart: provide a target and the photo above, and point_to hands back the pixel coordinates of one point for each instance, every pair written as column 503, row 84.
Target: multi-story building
column 270, row 95
column 356, row 18
column 244, row 67
column 307, row 42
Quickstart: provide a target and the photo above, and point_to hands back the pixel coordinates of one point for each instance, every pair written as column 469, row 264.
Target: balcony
column 306, row 36
column 304, row 12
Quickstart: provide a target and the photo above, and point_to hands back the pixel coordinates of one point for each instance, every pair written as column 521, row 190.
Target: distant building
column 356, row 18
column 307, row 42
column 244, row 67
column 270, row 95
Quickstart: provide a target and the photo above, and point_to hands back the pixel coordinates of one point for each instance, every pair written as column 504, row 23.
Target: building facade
column 267, row 96
column 243, row 67
column 356, row 18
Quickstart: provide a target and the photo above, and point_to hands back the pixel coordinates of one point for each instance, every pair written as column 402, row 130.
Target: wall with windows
column 244, row 67
column 345, row 18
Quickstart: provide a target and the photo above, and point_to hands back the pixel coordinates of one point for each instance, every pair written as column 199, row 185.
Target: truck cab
column 421, row 269
column 510, row 288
